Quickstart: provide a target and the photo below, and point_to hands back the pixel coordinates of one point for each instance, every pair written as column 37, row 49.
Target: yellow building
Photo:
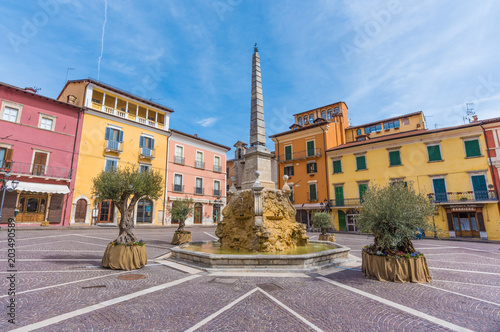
column 449, row 165
column 118, row 130
column 300, row 154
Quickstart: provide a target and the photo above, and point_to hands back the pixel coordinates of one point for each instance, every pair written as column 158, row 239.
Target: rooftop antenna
column 469, row 112
column 67, row 71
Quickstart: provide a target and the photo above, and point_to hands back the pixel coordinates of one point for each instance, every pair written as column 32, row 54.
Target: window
column 358, row 131
column 288, row 170
column 114, row 137
column 178, row 183
column 472, row 148
column 391, row 124
column 479, row 186
column 10, row 114
column 179, row 155
column 47, row 122
column 217, row 191
column 199, row 160
column 360, row 163
column 311, row 118
column 439, row 190
column 300, row 121
column 217, row 165
column 311, row 151
column 144, row 168
column 337, row 110
column 339, row 195
column 337, row 166
column 199, row 186
column 5, row 157
column 330, row 114
column 292, row 198
column 434, row 152
column 288, row 152
column 362, row 187
column 399, row 181
column 311, row 168
column 313, row 196
column 394, row 158
column 306, row 119
column 39, row 163
column 405, row 121
column 374, row 128
column 111, row 165
column 323, row 114
column 147, row 145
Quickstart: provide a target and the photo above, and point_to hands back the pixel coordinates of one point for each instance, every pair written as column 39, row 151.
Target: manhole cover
column 269, row 287
column 132, row 277
column 225, row 280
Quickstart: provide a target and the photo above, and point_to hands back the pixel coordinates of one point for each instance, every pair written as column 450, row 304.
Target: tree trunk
column 126, row 236
column 406, row 246
column 323, row 231
column 182, row 223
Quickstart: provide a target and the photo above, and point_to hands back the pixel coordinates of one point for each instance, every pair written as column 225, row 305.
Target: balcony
column 464, row 197
column 199, row 191
column 36, row 170
column 179, row 160
column 113, row 146
column 178, row 188
column 199, row 164
column 306, row 154
column 218, row 168
column 217, row 192
column 147, row 153
column 131, row 115
column 345, row 202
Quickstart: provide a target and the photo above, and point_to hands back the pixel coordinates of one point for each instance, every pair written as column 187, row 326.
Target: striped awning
column 42, row 188
column 309, row 206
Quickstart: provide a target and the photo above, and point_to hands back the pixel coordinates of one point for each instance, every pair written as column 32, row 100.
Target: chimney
column 195, row 135
column 71, row 99
column 474, row 118
column 30, row 89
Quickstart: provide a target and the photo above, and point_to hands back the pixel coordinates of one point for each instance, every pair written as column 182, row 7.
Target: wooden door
column 32, row 208
column 106, row 211
column 198, row 213
column 81, row 210
column 39, row 163
column 465, row 224
column 342, row 225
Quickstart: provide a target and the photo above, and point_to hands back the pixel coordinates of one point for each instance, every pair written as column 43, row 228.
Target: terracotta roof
column 38, row 95
column 305, row 127
column 117, row 90
column 385, row 120
column 416, row 132
column 200, row 139
column 491, row 120
column 317, row 108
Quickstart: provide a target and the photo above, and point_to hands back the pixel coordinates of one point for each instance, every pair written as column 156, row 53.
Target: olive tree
column 322, row 220
column 125, row 187
column 393, row 214
column 180, row 210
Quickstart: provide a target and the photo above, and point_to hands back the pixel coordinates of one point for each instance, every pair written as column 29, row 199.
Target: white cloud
column 208, row 122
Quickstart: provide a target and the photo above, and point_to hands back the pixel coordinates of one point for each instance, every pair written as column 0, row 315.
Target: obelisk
column 257, row 157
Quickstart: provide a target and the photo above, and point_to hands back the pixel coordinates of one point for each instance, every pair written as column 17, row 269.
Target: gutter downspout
column 490, row 164
column 164, row 219
column 326, row 166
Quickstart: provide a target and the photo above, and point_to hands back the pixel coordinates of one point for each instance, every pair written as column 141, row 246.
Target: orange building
column 300, row 154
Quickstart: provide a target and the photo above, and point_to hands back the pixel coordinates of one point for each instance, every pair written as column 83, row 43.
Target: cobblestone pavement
column 60, row 286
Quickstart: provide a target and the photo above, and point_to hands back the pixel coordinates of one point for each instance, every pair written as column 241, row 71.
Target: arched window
column 323, row 114
column 300, row 121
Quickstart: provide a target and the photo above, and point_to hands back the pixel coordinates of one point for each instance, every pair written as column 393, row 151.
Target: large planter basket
column 121, row 257
column 180, row 238
column 395, row 269
column 327, row 237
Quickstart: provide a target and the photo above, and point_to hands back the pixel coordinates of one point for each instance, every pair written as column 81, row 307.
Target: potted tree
column 181, row 209
column 323, row 221
column 393, row 214
column 125, row 187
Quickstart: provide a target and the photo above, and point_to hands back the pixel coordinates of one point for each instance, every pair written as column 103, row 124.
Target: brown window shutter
column 8, row 154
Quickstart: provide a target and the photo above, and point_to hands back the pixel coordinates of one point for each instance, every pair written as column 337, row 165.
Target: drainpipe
column 490, row 164
column 326, row 166
column 169, row 134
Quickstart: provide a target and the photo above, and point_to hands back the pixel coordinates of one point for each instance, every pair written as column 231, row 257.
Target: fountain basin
column 329, row 254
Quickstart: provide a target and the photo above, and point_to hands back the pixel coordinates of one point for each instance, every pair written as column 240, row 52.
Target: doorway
column 342, row 224
column 351, row 216
column 81, row 210
column 32, row 208
column 106, row 211
column 144, row 211
column 198, row 213
column 465, row 224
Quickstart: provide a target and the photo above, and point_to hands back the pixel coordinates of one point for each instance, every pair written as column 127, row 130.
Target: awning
column 43, row 188
column 310, row 206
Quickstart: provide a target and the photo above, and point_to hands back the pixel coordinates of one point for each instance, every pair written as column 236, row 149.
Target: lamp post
column 217, row 203
column 5, row 186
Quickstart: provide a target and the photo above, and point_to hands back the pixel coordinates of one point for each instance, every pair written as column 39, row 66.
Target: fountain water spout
column 257, row 194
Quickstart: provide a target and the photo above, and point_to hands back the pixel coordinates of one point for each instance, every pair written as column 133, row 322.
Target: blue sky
column 383, row 58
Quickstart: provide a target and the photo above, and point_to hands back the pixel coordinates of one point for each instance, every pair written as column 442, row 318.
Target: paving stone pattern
column 59, row 272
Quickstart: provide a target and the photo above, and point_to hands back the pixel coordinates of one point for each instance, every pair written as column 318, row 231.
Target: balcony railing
column 342, row 202
column 179, row 160
column 18, row 168
column 464, row 197
column 179, row 188
column 312, row 196
column 217, row 192
column 199, row 191
column 147, row 153
column 114, row 146
column 311, row 153
column 199, row 164
column 217, row 168
column 125, row 115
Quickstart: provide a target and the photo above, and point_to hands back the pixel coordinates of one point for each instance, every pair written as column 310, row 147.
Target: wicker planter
column 327, row 237
column 395, row 269
column 121, row 257
column 180, row 238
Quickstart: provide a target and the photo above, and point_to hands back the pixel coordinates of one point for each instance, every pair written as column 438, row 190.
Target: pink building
column 38, row 139
column 196, row 169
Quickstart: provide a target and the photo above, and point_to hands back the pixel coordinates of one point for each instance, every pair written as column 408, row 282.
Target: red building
column 39, row 140
column 491, row 129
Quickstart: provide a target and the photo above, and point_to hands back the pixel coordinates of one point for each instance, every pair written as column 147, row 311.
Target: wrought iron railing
column 464, row 196
column 217, row 168
column 147, row 153
column 341, row 202
column 199, row 164
column 310, row 153
column 217, row 192
column 179, row 160
column 199, row 190
column 179, row 188
column 15, row 167
column 113, row 145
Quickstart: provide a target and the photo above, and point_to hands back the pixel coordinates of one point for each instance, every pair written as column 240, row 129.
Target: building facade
column 300, row 154
column 448, row 165
column 197, row 170
column 39, row 146
column 491, row 129
column 118, row 130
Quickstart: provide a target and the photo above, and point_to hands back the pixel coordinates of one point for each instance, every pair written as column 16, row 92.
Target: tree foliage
column 322, row 220
column 394, row 214
column 180, row 210
column 125, row 187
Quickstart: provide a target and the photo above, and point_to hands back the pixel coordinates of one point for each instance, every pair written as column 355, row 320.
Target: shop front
column 466, row 220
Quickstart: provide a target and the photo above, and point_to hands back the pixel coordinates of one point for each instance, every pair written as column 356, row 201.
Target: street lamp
column 325, row 205
column 9, row 187
column 217, row 203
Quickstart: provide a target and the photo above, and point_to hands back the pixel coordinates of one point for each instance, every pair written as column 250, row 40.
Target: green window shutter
column 362, row 189
column 288, row 152
column 312, row 192
column 360, row 163
column 310, row 148
column 434, row 152
column 394, row 158
column 339, row 196
column 472, row 148
column 337, row 166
